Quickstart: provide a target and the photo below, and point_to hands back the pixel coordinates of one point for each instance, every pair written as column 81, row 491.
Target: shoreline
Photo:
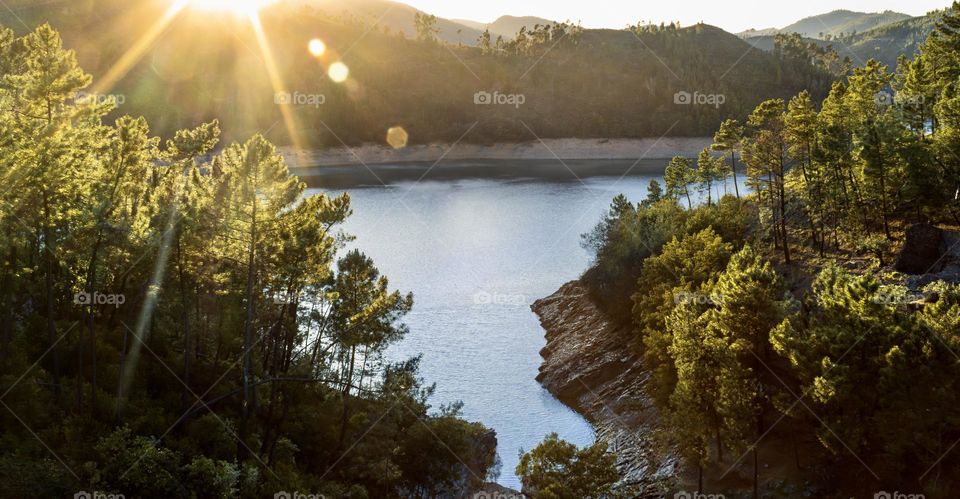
column 586, row 367
column 548, row 149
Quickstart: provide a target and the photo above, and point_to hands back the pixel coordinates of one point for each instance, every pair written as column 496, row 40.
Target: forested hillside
column 178, row 323
column 574, row 83
column 777, row 327
column 834, row 24
column 885, row 43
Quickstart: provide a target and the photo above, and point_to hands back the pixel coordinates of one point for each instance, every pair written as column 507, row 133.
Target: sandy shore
column 549, row 149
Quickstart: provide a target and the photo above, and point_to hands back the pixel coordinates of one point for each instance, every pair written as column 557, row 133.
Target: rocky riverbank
column 587, row 367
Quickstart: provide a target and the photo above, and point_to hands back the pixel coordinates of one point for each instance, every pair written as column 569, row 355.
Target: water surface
column 476, row 253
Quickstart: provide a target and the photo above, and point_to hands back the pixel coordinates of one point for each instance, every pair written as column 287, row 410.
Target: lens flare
column 316, row 47
column 397, row 137
column 338, row 72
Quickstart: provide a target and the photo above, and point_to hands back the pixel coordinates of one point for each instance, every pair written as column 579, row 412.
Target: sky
column 731, row 15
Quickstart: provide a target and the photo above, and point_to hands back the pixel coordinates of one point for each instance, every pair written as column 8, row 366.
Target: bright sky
column 731, row 15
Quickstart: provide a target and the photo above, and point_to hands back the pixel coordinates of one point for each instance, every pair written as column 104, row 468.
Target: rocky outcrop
column 929, row 254
column 588, row 366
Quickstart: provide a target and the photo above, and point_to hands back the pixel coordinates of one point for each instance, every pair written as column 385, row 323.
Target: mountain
column 477, row 25
column 753, row 33
column 393, row 15
column 591, row 84
column 507, row 26
column 833, row 24
column 842, row 21
column 885, row 43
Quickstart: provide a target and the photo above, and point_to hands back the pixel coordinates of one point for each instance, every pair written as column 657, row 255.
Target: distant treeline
column 574, row 82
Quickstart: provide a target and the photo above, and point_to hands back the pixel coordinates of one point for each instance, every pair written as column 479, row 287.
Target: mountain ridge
column 833, row 24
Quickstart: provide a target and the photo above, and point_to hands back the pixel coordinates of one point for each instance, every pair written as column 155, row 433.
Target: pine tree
column 728, row 140
column 766, row 155
column 678, row 177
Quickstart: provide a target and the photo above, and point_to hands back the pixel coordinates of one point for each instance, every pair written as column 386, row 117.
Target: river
column 476, row 253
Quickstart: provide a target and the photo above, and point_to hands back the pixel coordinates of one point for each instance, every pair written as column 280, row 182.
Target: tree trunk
column 123, row 360
column 699, row 477
column 783, row 219
column 344, row 415
column 248, row 398
column 185, row 312
column 719, row 445
column 733, row 166
column 756, row 474
column 48, row 293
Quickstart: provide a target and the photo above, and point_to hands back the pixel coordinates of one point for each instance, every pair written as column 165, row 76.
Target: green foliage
column 678, row 176
column 556, row 469
column 868, row 369
column 883, row 380
column 588, row 83
column 669, row 278
column 237, row 358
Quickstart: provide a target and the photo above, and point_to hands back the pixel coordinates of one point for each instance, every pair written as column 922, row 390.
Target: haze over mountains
column 883, row 36
column 601, row 83
column 833, row 24
column 858, row 35
column 399, row 17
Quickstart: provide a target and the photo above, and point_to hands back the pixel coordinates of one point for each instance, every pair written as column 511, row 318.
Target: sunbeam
column 139, row 48
column 289, row 121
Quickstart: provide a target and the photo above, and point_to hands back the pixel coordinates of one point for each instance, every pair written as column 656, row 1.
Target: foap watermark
column 683, row 494
column 893, row 298
column 684, row 98
column 283, row 494
column 85, row 299
column 299, row 99
column 95, row 494
column 484, row 98
column 496, row 495
column 896, row 495
column 884, row 98
column 100, row 99
column 510, row 299
column 689, row 297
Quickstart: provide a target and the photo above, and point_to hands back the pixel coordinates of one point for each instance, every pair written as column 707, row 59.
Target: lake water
column 476, row 253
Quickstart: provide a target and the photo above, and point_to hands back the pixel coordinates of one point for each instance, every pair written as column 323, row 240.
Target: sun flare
column 237, row 7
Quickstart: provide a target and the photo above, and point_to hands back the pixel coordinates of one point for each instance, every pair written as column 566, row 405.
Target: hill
column 393, row 15
column 885, row 43
column 889, row 41
column 509, row 26
column 595, row 84
column 842, row 21
column 832, row 25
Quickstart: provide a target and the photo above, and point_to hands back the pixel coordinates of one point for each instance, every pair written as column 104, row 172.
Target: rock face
column 587, row 365
column 928, row 254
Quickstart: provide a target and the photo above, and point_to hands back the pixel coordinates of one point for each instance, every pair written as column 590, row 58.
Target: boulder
column 922, row 251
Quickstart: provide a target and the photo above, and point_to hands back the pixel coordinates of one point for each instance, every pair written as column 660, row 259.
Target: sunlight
column 275, row 80
column 317, row 47
column 136, row 51
column 338, row 72
column 242, row 8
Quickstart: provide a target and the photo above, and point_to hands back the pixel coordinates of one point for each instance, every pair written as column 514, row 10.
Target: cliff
column 587, row 367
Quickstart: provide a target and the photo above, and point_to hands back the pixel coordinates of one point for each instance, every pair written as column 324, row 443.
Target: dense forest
column 773, row 321
column 576, row 82
column 884, row 43
column 179, row 323
column 180, row 319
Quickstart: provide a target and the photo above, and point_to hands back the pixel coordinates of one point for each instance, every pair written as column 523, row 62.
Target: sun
column 237, row 7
